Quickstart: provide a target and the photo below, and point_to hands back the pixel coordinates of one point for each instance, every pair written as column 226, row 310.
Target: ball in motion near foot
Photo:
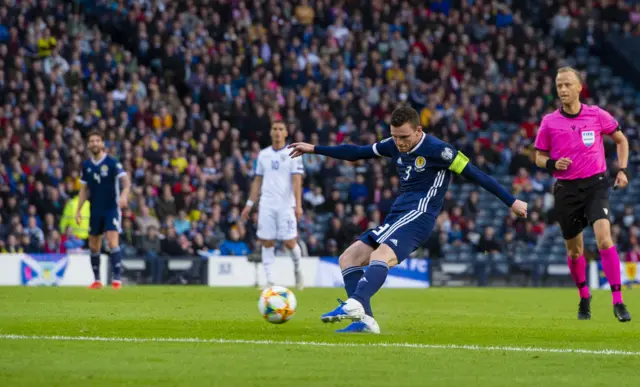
column 277, row 304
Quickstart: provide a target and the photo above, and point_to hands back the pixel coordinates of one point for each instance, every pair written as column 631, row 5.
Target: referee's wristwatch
column 625, row 171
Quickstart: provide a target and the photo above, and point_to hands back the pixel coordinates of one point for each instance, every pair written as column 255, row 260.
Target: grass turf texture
column 541, row 318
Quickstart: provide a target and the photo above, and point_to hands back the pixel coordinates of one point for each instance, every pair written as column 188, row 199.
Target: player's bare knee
column 355, row 255
column 267, row 244
column 384, row 253
column 94, row 244
column 113, row 240
column 290, row 244
column 604, row 243
column 575, row 253
column 575, row 246
column 575, row 250
column 348, row 259
column 602, row 228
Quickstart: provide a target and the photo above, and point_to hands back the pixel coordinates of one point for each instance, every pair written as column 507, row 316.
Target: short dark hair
column 278, row 121
column 95, row 133
column 569, row 69
column 404, row 114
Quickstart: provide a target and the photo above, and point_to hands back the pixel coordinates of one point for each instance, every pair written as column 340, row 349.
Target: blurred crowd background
column 185, row 91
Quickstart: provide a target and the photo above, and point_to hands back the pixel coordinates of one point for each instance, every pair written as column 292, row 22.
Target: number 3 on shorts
column 381, row 229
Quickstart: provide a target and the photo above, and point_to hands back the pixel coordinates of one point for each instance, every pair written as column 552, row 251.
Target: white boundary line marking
column 600, row 352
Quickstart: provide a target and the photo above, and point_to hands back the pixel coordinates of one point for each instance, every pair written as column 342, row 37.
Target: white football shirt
column 276, row 168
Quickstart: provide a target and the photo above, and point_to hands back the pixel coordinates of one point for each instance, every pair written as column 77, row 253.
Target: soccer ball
column 277, row 304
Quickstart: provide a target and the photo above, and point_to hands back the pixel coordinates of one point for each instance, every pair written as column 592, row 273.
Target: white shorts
column 277, row 224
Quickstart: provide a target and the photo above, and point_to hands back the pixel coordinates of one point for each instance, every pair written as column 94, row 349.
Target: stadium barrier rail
column 213, row 270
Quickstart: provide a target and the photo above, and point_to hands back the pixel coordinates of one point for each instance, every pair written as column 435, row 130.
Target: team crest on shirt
column 283, row 157
column 420, row 163
column 104, row 170
column 447, row 154
column 588, row 137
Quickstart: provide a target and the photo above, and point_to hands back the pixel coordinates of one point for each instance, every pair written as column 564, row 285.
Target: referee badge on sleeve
column 588, row 137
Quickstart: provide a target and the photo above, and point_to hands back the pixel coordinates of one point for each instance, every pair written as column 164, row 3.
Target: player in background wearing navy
column 424, row 164
column 106, row 185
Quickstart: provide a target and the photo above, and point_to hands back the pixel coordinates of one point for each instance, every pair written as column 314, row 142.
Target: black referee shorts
column 579, row 203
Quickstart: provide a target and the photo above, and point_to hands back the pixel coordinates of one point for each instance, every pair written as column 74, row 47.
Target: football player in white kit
column 278, row 182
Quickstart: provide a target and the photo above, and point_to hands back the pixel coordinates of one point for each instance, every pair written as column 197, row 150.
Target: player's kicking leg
column 611, row 267
column 95, row 243
column 351, row 263
column 396, row 239
column 354, row 308
column 296, row 254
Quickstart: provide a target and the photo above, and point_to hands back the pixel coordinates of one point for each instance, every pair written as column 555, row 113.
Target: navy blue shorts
column 403, row 231
column 102, row 221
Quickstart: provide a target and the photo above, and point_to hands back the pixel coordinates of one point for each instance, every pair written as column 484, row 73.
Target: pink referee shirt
column 578, row 137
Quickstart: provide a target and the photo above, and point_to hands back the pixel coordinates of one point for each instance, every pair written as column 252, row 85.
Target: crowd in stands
column 185, row 91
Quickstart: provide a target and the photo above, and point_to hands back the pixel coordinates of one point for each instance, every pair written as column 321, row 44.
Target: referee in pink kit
column 569, row 144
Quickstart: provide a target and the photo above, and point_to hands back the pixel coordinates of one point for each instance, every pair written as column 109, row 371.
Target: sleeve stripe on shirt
column 459, row 162
column 83, row 182
column 122, row 174
column 375, row 150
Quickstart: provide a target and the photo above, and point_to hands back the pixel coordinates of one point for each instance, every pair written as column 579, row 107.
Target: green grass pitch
column 525, row 338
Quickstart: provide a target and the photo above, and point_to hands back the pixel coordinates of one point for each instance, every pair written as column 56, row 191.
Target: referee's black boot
column 621, row 312
column 584, row 309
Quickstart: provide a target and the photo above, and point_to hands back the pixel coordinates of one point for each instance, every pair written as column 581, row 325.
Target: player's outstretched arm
column 487, row 182
column 341, row 152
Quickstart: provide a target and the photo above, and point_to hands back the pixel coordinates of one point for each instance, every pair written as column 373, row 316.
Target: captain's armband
column 458, row 163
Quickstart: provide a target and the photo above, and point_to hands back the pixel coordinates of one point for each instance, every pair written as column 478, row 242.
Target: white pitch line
column 605, row 352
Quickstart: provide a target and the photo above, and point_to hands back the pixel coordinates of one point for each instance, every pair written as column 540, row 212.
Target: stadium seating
column 197, row 103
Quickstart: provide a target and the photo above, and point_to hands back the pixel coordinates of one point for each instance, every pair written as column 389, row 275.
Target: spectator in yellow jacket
column 46, row 44
column 81, row 231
